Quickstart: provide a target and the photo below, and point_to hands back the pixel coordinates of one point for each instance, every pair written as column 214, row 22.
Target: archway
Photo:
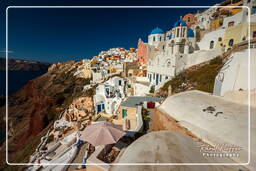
column 211, row 44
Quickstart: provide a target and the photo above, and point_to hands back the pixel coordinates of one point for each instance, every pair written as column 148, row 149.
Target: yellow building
column 236, row 34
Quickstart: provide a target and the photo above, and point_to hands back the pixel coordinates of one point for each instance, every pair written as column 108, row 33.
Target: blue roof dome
column 190, row 32
column 157, row 31
column 179, row 22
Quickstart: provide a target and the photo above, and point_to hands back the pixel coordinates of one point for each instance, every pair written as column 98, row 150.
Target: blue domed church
column 167, row 51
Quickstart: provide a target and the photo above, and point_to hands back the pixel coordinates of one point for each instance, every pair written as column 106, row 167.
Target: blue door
column 98, row 108
column 157, row 79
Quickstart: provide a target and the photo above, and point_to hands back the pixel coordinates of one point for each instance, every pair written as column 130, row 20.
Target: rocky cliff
column 23, row 65
column 33, row 109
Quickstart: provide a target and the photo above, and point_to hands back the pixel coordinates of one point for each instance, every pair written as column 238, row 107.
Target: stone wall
column 161, row 121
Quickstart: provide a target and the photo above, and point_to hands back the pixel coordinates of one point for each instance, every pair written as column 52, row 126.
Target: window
column 160, row 79
column 107, row 91
column 211, row 44
column 253, row 10
column 254, row 34
column 120, row 82
column 219, row 39
column 178, row 32
column 166, row 77
column 248, row 1
column 124, row 113
column 163, row 47
column 188, row 20
column 183, row 33
column 231, row 42
column 160, row 38
column 244, row 38
column 231, row 23
column 154, row 76
column 168, row 63
column 154, row 39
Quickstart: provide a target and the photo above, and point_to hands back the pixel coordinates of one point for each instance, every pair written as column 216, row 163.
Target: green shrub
column 202, row 78
column 152, row 89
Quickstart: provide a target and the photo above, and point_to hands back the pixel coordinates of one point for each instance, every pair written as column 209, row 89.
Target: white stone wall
column 158, row 38
column 198, row 57
column 234, row 74
column 97, row 76
column 204, row 44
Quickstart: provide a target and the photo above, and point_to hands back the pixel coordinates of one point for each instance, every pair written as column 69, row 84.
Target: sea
column 16, row 80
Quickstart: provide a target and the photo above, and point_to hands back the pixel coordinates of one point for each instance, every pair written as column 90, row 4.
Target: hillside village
column 156, row 95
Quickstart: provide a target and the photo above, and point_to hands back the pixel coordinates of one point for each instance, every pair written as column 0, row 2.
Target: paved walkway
column 78, row 158
column 150, row 124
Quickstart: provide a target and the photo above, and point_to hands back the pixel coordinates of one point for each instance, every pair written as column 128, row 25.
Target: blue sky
column 53, row 35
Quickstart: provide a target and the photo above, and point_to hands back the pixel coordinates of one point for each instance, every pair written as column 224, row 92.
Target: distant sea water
column 16, row 79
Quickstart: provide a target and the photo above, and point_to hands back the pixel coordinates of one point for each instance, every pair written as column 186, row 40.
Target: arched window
column 188, row 20
column 178, row 32
column 154, row 39
column 168, row 63
column 160, row 38
column 183, row 33
column 231, row 42
column 211, row 44
column 219, row 39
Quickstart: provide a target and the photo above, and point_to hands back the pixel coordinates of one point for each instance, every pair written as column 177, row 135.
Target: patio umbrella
column 102, row 133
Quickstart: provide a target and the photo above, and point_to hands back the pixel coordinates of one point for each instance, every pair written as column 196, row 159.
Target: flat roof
column 134, row 101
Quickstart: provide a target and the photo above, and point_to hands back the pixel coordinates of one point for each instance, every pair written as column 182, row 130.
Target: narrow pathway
column 150, row 124
column 78, row 158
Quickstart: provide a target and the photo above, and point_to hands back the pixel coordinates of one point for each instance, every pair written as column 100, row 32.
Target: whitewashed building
column 109, row 95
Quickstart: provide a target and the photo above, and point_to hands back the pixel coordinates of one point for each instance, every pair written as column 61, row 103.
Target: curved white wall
column 234, row 75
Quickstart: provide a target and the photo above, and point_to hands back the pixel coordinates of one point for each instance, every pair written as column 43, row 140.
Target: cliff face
column 32, row 110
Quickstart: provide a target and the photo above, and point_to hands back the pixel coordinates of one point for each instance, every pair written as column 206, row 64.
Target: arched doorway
column 231, row 42
column 211, row 44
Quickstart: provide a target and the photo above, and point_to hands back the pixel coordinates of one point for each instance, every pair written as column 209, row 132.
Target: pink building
column 142, row 53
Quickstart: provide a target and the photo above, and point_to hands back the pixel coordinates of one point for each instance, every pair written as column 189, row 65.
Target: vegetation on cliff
column 200, row 77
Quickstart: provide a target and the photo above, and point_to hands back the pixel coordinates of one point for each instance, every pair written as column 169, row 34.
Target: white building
column 109, row 95
column 234, row 75
column 204, row 18
column 173, row 51
column 210, row 39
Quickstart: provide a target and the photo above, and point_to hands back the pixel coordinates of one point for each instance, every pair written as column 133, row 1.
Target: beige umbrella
column 102, row 133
